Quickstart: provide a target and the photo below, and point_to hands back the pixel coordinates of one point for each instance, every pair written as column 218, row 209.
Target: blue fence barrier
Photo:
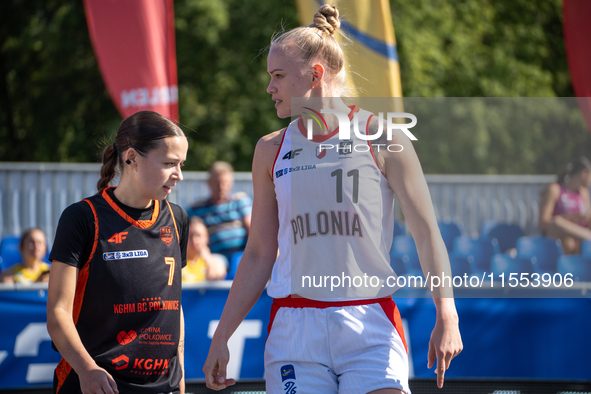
column 529, row 338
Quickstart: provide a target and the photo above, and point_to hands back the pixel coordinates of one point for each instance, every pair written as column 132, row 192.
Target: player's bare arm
column 256, row 264
column 405, row 177
column 61, row 328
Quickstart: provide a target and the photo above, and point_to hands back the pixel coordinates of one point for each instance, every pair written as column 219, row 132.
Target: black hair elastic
column 115, row 146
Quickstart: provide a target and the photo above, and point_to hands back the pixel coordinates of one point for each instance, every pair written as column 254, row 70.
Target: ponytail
column 108, row 170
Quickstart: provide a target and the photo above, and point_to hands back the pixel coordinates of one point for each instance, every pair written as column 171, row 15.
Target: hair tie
column 115, row 146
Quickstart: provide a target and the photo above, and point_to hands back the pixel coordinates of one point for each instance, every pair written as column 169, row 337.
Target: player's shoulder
column 268, row 146
column 180, row 214
column 178, row 211
column 265, row 152
column 272, row 139
column 80, row 209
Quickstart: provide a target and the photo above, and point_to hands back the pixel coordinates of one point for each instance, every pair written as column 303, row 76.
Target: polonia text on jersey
column 341, row 223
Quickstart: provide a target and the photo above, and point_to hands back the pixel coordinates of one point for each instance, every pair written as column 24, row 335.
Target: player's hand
column 215, row 366
column 445, row 344
column 97, row 381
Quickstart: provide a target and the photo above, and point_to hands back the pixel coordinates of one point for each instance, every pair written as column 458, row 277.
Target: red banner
column 135, row 48
column 577, row 37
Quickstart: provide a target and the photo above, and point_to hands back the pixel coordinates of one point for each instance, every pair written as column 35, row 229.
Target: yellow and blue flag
column 371, row 58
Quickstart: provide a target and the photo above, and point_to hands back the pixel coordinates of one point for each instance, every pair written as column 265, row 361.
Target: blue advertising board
column 534, row 338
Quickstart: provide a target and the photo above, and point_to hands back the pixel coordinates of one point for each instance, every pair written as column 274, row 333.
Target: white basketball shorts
column 348, row 347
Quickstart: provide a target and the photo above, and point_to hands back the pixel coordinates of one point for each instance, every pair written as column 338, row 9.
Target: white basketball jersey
column 336, row 216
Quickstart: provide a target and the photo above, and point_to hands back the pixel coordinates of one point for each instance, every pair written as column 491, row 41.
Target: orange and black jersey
column 128, row 294
column 75, row 232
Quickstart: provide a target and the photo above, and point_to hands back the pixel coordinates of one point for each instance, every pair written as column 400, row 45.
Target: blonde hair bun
column 327, row 19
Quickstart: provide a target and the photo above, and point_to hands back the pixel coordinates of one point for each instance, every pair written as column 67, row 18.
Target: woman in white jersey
column 330, row 213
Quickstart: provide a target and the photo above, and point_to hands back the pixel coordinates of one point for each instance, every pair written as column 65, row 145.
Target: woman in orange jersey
column 113, row 308
column 330, row 212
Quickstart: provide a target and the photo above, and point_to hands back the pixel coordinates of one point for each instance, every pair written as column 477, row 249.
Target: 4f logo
column 118, row 237
column 291, row 154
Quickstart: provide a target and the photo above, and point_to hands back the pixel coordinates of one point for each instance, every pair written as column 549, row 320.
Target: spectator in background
column 565, row 211
column 201, row 263
column 33, row 247
column 227, row 216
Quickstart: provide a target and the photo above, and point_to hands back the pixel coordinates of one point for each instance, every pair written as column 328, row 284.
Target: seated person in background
column 226, row 216
column 33, row 247
column 201, row 263
column 565, row 211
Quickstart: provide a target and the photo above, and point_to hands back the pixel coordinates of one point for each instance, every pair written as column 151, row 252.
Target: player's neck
column 128, row 195
column 333, row 103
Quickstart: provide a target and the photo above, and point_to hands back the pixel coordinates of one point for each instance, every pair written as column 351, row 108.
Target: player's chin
column 159, row 195
column 282, row 113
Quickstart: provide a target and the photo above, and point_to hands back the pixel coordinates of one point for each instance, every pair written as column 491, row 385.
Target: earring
column 128, row 161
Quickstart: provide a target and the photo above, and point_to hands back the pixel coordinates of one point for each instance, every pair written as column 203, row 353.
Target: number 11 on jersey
column 339, row 174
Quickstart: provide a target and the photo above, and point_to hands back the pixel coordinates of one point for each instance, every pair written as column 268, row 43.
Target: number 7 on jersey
column 170, row 261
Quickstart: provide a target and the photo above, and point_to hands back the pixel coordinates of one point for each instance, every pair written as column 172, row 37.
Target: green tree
column 223, row 76
column 476, row 48
column 53, row 103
